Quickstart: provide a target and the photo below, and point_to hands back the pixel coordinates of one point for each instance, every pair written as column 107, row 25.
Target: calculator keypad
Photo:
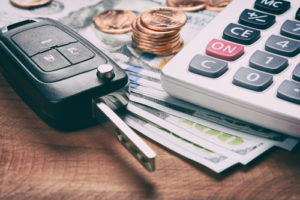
column 268, row 62
column 297, row 16
column 272, row 6
column 290, row 91
column 252, row 79
column 207, row 66
column 291, row 29
column 282, row 46
column 224, row 50
column 296, row 73
column 240, row 34
column 256, row 19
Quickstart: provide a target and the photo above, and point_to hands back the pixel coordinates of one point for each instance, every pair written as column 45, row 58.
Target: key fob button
column 40, row 39
column 50, row 60
column 76, row 52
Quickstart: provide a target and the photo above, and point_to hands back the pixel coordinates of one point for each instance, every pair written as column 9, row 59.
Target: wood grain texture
column 38, row 162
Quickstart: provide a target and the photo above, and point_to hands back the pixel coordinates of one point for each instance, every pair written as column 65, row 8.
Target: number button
column 272, row 6
column 224, row 50
column 268, row 62
column 50, row 60
column 283, row 46
column 76, row 52
column 296, row 73
column 240, row 34
column 256, row 19
column 252, row 79
column 289, row 91
column 207, row 66
column 291, row 29
column 297, row 17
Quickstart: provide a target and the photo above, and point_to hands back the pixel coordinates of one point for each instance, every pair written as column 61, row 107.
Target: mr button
column 207, row 66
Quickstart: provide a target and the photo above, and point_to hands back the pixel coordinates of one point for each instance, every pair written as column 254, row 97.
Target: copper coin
column 115, row 21
column 148, row 31
column 154, row 35
column 217, row 5
column 29, row 3
column 188, row 5
column 163, row 19
column 155, row 41
column 157, row 46
column 162, row 52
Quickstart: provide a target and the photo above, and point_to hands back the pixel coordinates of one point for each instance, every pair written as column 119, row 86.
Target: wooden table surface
column 38, row 162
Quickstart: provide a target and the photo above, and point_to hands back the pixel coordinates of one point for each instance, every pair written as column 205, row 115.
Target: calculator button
column 40, row 39
column 76, row 52
column 256, row 19
column 283, row 46
column 224, row 50
column 272, row 6
column 50, row 60
column 291, row 29
column 207, row 66
column 252, row 79
column 296, row 73
column 268, row 62
column 297, row 17
column 240, row 34
column 289, row 91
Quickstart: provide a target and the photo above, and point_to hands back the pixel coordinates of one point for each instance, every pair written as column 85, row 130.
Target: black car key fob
column 62, row 76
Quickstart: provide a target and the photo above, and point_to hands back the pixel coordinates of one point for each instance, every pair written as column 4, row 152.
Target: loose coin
column 115, row 21
column 29, row 3
column 217, row 5
column 188, row 5
column 163, row 19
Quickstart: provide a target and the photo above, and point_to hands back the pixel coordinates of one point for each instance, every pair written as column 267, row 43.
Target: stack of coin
column 156, row 31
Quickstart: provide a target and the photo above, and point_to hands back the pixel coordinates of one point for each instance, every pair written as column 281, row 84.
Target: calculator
column 244, row 64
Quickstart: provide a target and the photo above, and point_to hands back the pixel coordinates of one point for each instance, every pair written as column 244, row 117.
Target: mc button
column 272, row 6
column 224, row 50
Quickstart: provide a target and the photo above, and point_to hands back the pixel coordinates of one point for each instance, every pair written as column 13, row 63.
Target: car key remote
column 66, row 80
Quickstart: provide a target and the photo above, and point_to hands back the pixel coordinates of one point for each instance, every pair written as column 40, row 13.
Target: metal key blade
column 128, row 138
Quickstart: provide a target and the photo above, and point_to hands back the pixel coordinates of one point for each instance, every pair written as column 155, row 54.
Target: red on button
column 224, row 50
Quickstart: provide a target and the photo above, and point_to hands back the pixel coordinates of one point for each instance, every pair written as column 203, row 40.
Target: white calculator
column 244, row 64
